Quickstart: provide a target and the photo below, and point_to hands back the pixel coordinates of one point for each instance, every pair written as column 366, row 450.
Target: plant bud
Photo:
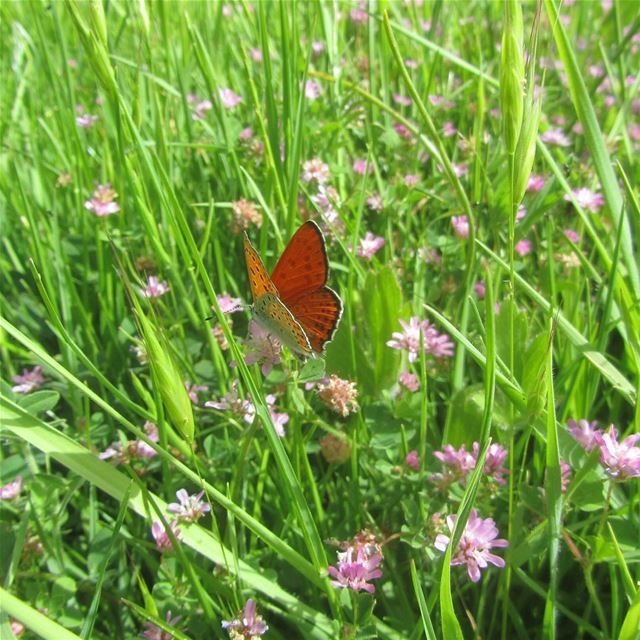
column 169, row 379
column 512, row 75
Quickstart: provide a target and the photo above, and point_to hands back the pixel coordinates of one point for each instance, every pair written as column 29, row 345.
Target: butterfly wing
column 258, row 277
column 318, row 312
column 303, row 266
column 278, row 320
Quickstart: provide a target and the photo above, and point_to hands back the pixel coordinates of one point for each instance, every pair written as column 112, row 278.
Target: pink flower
column 409, row 381
column 405, row 101
column 523, row 247
column 587, row 199
column 12, row 489
column 360, row 167
column 480, row 288
column 245, row 134
column 356, row 566
column 200, row 110
column 369, row 245
column 621, row 460
column 154, row 632
column 256, row 54
column 460, row 226
column 460, row 169
column 435, row 343
column 154, row 288
column 555, row 137
column 189, row 508
column 409, row 339
column 375, row 203
column 278, row 419
column 160, row 535
column 229, row 304
column 194, row 389
column 565, row 475
column 317, row 47
column 478, row 538
column 339, row 395
column 411, row 180
column 457, row 462
column 430, row 255
column 413, row 460
column 232, row 402
column 229, row 99
column 572, row 235
column 411, row 63
column 261, row 347
column 245, row 213
column 312, row 90
column 29, row 380
column 403, row 131
column 247, row 625
column 326, row 200
column 129, row 450
column 315, row 171
column 359, row 14
column 584, row 432
column 521, row 212
column 84, row 120
column 449, row 129
column 102, row 202
column 496, row 455
column 535, row 184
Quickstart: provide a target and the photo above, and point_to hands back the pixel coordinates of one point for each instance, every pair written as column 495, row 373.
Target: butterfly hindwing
column 318, row 313
column 279, row 321
column 258, row 277
column 303, row 266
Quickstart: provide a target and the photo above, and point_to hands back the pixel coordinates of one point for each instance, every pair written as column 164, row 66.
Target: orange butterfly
column 294, row 304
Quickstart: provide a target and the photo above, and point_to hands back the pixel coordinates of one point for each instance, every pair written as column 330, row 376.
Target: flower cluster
column 161, row 537
column 12, row 489
column 189, row 508
column 248, row 625
column 437, row 344
column 245, row 214
column 126, row 452
column 358, row 563
column 473, row 550
column 242, row 408
column 28, row 381
column 102, row 203
column 262, row 348
column 339, row 395
column 458, row 463
column 620, row 460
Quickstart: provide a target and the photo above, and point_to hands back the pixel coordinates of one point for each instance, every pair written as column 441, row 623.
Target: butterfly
column 294, row 304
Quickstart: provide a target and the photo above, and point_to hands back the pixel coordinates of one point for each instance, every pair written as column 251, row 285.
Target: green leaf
column 39, row 401
column 534, row 382
column 382, row 303
column 311, row 371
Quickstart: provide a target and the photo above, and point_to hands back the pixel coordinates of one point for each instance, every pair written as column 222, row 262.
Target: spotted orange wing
column 259, row 279
column 303, row 266
column 318, row 313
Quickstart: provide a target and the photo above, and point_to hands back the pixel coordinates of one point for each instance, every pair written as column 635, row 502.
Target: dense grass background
column 415, row 96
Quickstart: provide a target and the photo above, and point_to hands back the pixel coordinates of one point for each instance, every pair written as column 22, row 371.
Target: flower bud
column 512, row 75
column 169, row 379
column 526, row 147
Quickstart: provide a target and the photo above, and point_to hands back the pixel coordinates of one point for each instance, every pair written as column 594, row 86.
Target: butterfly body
column 294, row 304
